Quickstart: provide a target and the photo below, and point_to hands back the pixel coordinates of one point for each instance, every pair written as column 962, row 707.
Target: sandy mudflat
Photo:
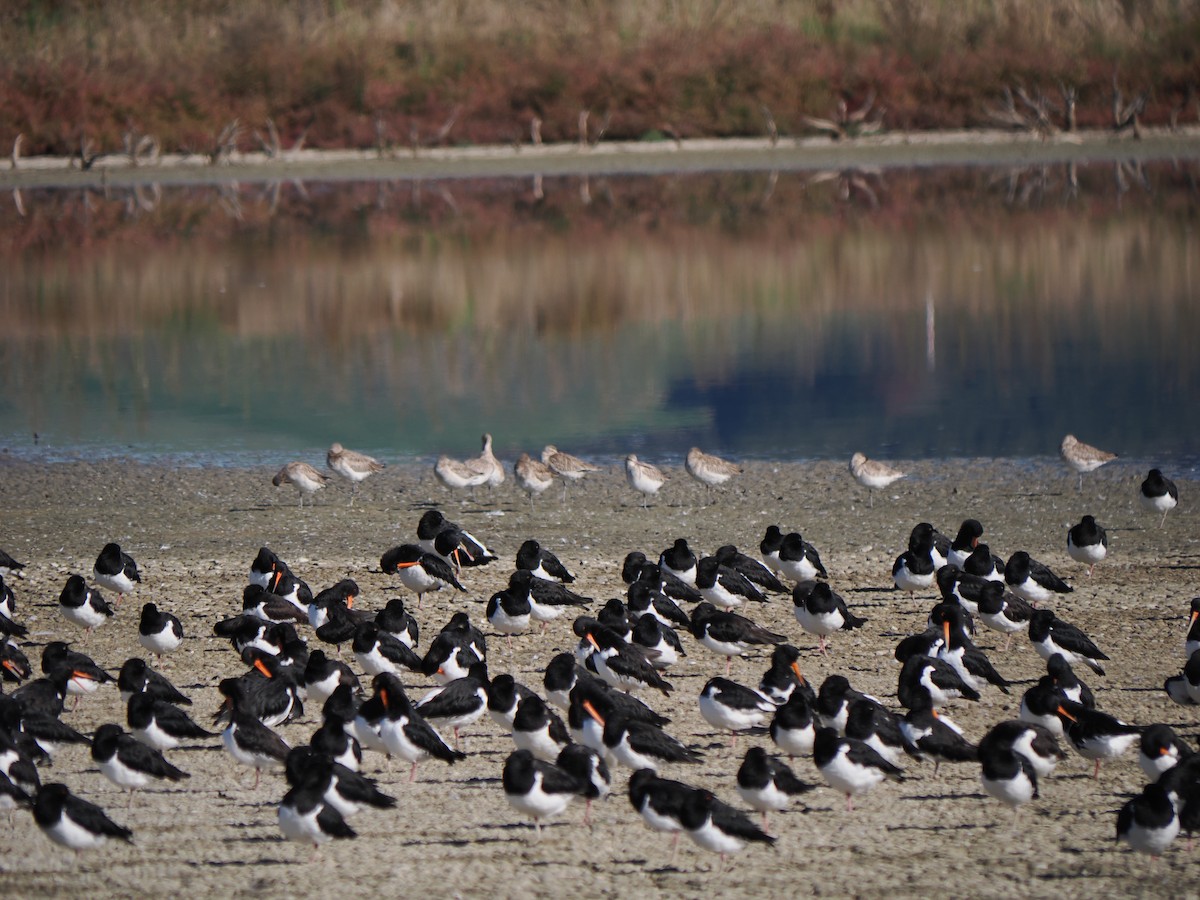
column 194, row 533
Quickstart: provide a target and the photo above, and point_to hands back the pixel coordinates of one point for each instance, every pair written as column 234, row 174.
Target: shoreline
column 891, row 150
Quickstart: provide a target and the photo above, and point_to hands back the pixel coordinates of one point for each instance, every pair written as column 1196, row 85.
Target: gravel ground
column 195, row 531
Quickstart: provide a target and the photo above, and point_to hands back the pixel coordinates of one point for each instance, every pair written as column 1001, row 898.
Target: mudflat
column 194, row 532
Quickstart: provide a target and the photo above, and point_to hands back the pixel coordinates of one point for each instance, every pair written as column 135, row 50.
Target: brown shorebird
column 1083, row 457
column 567, row 467
column 354, row 467
column 873, row 475
column 458, row 474
column 488, row 459
column 532, row 476
column 643, row 477
column 709, row 470
column 303, row 477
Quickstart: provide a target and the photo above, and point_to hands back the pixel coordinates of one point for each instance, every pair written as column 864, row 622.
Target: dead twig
column 1126, row 115
column 772, row 129
column 225, row 144
column 15, row 156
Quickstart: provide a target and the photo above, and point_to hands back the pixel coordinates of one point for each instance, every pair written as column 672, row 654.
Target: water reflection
column 965, row 312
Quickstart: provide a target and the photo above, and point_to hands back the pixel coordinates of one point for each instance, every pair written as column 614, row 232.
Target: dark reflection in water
column 917, row 314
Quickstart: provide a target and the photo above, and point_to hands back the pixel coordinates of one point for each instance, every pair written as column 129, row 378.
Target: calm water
column 909, row 314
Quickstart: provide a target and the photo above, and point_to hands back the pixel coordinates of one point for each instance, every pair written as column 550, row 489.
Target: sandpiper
column 643, row 477
column 567, row 467
column 873, row 475
column 354, row 467
column 533, row 476
column 709, row 470
column 303, row 477
column 488, row 459
column 458, row 474
column 1083, row 457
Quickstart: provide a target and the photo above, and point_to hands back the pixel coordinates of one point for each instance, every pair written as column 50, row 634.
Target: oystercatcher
column 254, row 744
column 420, row 572
column 767, row 784
column 1036, row 743
column 136, row 677
column 378, row 651
column 914, row 569
column 1159, row 494
column 850, row 766
column 1007, row 776
column 644, row 597
column 983, row 563
column 679, row 560
column 1031, row 580
column 1087, row 543
column 159, row 632
column 623, row 665
column 659, row 801
column 662, row 644
column 535, row 558
column 536, row 729
column 1003, row 611
column 547, row 599
column 587, row 765
column 637, row 568
column 639, row 745
column 822, row 612
column 732, row 707
column 1148, row 823
column 509, row 612
column 728, row 633
column 926, row 678
column 969, row 533
column 783, row 677
column 1049, row 635
column 538, row 789
column 265, row 566
column 1159, row 749
column 404, row 731
column 305, row 816
column 725, row 587
column 459, row 702
column 116, row 571
column 792, row 727
column 1184, row 688
column 878, row 728
column 159, row 724
column 799, row 560
column 834, row 699
column 749, row 568
column 341, row 787
column 72, row 821
column 717, row 826
column 930, row 734
column 505, row 694
column 82, row 605
column 1096, row 735
column 127, row 762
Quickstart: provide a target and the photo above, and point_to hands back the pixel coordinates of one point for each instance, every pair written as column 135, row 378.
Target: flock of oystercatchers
column 625, row 648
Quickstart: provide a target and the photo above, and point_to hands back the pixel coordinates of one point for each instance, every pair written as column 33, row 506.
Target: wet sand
column 194, row 533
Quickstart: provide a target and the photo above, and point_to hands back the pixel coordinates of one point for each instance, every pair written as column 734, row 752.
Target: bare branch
column 15, row 156
column 444, row 131
column 772, row 129
column 603, row 129
column 535, row 130
column 584, row 114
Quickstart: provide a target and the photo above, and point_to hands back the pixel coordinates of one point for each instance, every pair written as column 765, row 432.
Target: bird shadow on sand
column 948, row 796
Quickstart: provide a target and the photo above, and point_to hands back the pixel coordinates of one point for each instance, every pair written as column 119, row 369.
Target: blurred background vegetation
column 388, row 74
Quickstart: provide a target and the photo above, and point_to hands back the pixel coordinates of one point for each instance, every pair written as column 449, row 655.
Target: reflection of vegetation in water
column 643, row 318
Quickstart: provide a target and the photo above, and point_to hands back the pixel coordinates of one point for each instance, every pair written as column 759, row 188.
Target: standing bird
column 1096, row 735
column 1034, row 742
column 403, row 730
column 732, row 707
column 914, row 569
column 793, row 728
column 750, row 568
column 1159, row 494
column 728, row 633
column 1148, row 823
column 850, row 766
column 159, row 724
column 967, row 539
column 488, row 459
column 116, row 571
column 567, row 467
column 1007, row 775
column 723, row 586
column 73, row 822
column 127, row 762
column 717, row 826
column 536, row 728
column 1087, row 543
column 766, row 783
column 1050, row 635
column 307, row 817
column 822, row 612
column 535, row 558
column 82, row 605
column 354, row 467
column 538, row 789
column 589, row 767
column 1031, row 580
column 932, row 734
column 873, row 475
column 1083, row 457
column 159, row 632
column 659, row 801
column 532, row 476
column 799, row 560
column 711, row 471
column 679, row 560
column 458, row 474
column 303, row 477
column 1160, row 749
column 644, row 478
column 420, row 572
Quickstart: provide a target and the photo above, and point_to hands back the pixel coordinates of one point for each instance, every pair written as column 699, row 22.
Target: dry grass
column 362, row 72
